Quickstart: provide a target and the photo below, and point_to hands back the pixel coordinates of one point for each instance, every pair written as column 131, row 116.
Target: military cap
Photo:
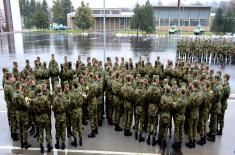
column 27, row 60
column 38, row 58
column 196, row 83
column 44, row 63
column 57, row 87
column 167, row 89
column 14, row 63
column 52, row 55
column 8, row 74
column 217, row 77
column 227, row 76
column 219, row 73
column 173, row 82
column 18, row 83
column 155, row 77
column 66, row 82
column 146, row 77
column 116, row 58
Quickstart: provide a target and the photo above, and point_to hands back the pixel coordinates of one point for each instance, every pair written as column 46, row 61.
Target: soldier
column 15, row 71
column 67, row 94
column 225, row 96
column 95, row 90
column 27, row 68
column 165, row 109
column 204, row 112
column 59, row 108
column 42, row 110
column 53, row 71
column 194, row 101
column 11, row 111
column 22, row 108
column 154, row 97
column 76, row 106
column 179, row 117
column 128, row 95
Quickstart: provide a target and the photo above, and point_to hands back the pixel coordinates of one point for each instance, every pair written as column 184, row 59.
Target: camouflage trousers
column 178, row 133
column 221, row 119
column 60, row 127
column 77, row 122
column 54, row 79
column 109, row 106
column 22, row 119
column 192, row 131
column 68, row 120
column 128, row 114
column 202, row 124
column 152, row 119
column 139, row 118
column 213, row 123
column 12, row 121
column 164, row 124
column 47, row 126
column 100, row 108
column 117, row 109
column 93, row 113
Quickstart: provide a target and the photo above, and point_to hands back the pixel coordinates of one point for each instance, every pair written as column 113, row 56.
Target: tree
column 44, row 6
column 218, row 23
column 40, row 20
column 83, row 17
column 28, row 23
column 136, row 19
column 58, row 15
column 32, row 7
column 67, row 7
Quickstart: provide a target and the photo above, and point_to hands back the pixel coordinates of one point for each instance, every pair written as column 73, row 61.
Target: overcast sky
column 125, row 3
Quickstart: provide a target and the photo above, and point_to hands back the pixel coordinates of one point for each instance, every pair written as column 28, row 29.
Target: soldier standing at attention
column 22, row 108
column 15, row 71
column 53, row 71
column 224, row 104
column 194, row 101
column 59, row 108
column 42, row 109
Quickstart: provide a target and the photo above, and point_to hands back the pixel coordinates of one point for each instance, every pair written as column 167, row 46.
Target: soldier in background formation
column 207, row 51
column 185, row 93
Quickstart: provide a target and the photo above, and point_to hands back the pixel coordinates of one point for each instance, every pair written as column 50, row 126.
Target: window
column 204, row 14
column 204, row 22
column 107, row 11
column 164, row 14
column 115, row 12
column 95, row 11
column 194, row 14
column 184, row 22
column 164, row 22
column 174, row 14
column 174, row 22
column 194, row 22
column 157, row 22
column 122, row 21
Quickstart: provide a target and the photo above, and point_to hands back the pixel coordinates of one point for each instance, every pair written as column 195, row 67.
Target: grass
column 77, row 31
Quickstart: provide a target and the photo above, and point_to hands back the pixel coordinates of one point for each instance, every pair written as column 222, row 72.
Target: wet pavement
column 19, row 47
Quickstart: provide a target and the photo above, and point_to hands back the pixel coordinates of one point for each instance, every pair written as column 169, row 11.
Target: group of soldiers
column 185, row 93
column 207, row 51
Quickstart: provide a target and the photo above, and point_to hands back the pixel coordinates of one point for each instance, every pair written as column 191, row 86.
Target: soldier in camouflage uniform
column 67, row 94
column 204, row 112
column 194, row 102
column 59, row 108
column 15, row 71
column 42, row 110
column 165, row 108
column 153, row 100
column 22, row 108
column 27, row 68
column 179, row 108
column 53, row 71
column 11, row 111
column 225, row 96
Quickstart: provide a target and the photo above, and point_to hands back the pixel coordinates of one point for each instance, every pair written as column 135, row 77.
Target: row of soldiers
column 186, row 93
column 207, row 51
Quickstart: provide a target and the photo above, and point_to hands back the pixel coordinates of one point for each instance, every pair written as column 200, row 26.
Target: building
column 2, row 21
column 12, row 15
column 185, row 17
column 116, row 19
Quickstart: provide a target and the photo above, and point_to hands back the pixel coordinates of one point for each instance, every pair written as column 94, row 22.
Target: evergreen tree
column 218, row 23
column 58, row 14
column 83, row 17
column 45, row 6
column 67, row 7
column 40, row 20
column 135, row 19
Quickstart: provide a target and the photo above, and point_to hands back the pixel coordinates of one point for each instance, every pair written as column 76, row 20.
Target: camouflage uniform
column 53, row 72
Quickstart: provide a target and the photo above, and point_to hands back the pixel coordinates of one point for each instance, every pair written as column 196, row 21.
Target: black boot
column 200, row 142
column 141, row 138
column 42, row 148
column 110, row 121
column 49, row 147
column 74, row 143
column 63, row 146
column 209, row 134
column 175, row 145
column 69, row 132
column 118, row 128
column 32, row 130
column 148, row 140
column 84, row 122
column 36, row 133
column 127, row 132
column 204, row 140
column 136, row 135
column 179, row 145
column 96, row 131
column 22, row 144
column 57, row 144
column 219, row 133
column 159, row 141
column 154, row 142
column 189, row 144
column 211, row 138
column 194, row 143
column 15, row 137
column 27, row 145
column 80, row 141
column 92, row 134
column 164, row 144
